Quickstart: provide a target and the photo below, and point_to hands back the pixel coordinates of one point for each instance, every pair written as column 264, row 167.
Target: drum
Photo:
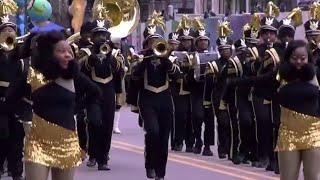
column 200, row 63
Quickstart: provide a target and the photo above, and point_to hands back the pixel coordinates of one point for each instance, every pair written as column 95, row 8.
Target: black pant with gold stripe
column 156, row 110
column 182, row 111
column 224, row 131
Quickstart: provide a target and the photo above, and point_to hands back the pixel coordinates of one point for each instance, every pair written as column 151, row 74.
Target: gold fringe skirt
column 51, row 145
column 298, row 131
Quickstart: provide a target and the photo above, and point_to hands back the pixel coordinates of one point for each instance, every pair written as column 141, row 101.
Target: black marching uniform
column 247, row 53
column 13, row 70
column 214, row 94
column 82, row 52
column 155, row 105
column 106, row 71
column 199, row 113
column 181, row 99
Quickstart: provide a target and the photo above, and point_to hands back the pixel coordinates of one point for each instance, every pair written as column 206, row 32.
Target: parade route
column 127, row 161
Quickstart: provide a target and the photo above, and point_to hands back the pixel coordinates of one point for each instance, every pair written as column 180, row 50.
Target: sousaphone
column 123, row 16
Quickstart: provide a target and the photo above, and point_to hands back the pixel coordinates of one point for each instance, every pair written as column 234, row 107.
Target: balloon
column 40, row 11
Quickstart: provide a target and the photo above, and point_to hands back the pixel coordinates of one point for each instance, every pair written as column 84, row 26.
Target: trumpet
column 160, row 48
column 105, row 48
column 8, row 42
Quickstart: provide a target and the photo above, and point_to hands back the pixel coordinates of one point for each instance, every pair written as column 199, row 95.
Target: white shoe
column 116, row 129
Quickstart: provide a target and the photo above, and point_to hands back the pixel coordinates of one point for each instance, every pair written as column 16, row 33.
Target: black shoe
column 151, row 173
column 222, row 156
column 271, row 166
column 262, row 164
column 277, row 170
column 189, row 149
column 207, row 151
column 18, row 178
column 236, row 160
column 159, row 178
column 178, row 148
column 197, row 150
column 92, row 162
column 103, row 167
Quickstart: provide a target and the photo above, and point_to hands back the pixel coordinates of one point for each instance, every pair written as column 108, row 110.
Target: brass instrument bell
column 160, row 48
column 123, row 16
column 105, row 48
column 7, row 41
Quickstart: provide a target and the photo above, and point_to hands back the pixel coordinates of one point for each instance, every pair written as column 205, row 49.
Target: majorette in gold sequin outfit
column 48, row 142
column 300, row 122
column 53, row 140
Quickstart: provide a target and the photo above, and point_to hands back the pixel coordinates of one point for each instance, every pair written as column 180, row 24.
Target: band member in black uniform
column 106, row 71
column 12, row 69
column 288, row 27
column 200, row 114
column 81, row 49
column 264, row 88
column 155, row 100
column 312, row 30
column 180, row 100
column 247, row 54
column 215, row 86
column 183, row 108
column 117, row 53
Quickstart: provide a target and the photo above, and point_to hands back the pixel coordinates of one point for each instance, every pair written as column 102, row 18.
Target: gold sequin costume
column 50, row 144
column 298, row 131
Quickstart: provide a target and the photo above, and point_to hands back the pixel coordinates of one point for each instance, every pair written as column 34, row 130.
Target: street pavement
column 127, row 161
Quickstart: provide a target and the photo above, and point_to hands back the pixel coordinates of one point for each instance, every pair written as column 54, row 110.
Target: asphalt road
column 127, row 161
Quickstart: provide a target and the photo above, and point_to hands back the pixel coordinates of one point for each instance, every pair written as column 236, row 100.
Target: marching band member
column 119, row 97
column 179, row 88
column 247, row 54
column 215, row 86
column 106, row 71
column 12, row 70
column 183, row 110
column 312, row 30
column 264, row 88
column 155, row 100
column 200, row 114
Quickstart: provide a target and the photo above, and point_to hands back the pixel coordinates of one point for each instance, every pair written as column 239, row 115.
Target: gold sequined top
column 47, row 143
column 298, row 131
column 35, row 79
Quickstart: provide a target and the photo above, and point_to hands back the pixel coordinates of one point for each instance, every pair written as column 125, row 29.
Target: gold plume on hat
column 224, row 29
column 198, row 24
column 296, row 16
column 8, row 7
column 185, row 23
column 246, row 27
column 253, row 26
column 255, row 22
column 156, row 19
column 315, row 11
column 272, row 10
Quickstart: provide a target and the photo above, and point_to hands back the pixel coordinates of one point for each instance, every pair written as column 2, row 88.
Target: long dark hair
column 43, row 59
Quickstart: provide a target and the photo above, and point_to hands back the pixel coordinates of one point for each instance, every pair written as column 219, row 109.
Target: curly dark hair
column 43, row 59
